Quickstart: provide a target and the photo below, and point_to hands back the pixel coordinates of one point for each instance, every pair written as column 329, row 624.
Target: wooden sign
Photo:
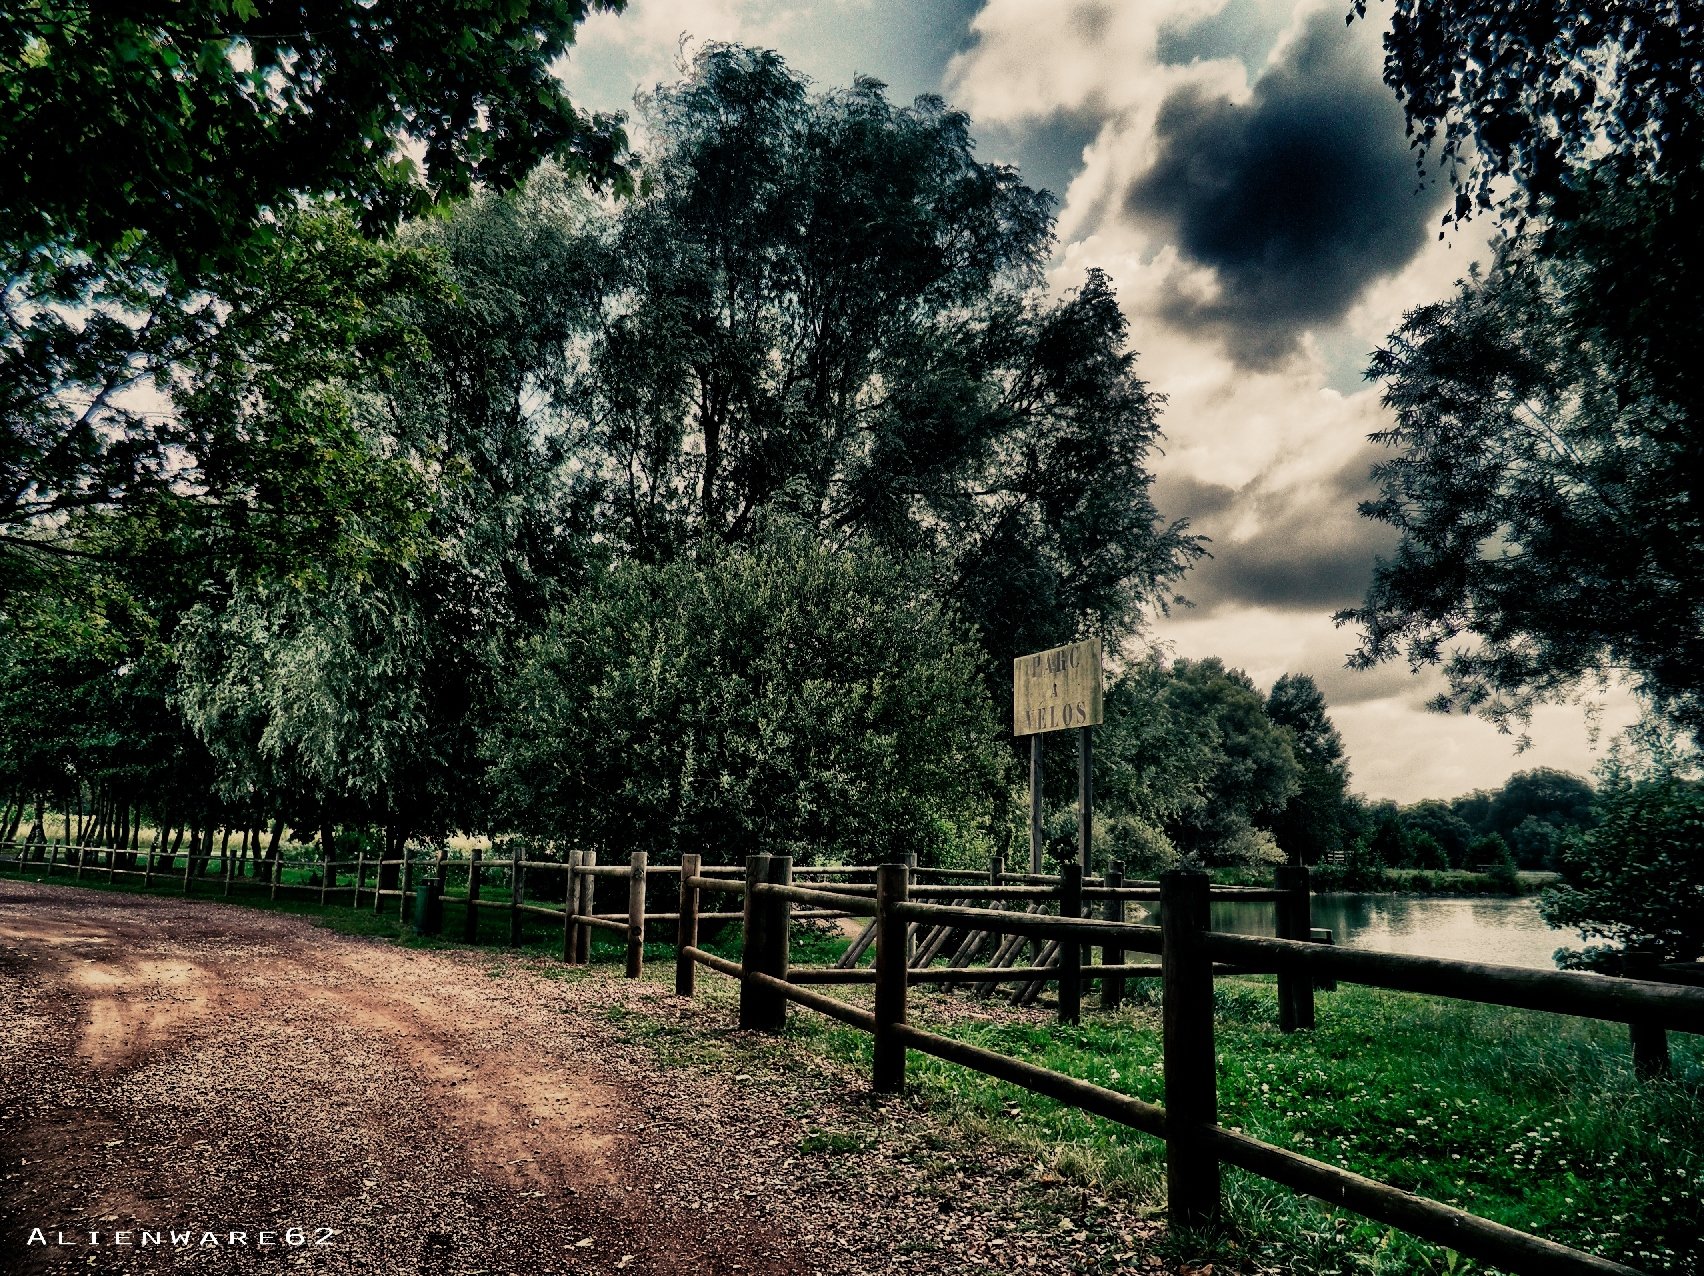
column 1058, row 689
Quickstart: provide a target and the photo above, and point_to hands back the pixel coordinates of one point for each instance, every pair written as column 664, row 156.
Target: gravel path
column 182, row 1067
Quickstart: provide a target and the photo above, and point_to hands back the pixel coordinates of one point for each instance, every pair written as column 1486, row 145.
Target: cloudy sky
column 1241, row 172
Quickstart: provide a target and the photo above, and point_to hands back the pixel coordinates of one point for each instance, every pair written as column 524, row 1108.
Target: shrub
column 781, row 698
column 1637, row 879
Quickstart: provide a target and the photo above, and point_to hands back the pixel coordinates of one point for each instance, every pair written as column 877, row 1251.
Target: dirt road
column 220, row 1089
column 184, row 1067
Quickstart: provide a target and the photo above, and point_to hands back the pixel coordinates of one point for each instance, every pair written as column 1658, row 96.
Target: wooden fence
column 915, row 916
column 1190, row 954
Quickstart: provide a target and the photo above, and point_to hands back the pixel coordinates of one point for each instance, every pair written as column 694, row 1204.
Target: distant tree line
column 1524, row 823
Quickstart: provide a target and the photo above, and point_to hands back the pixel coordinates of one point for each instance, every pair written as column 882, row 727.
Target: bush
column 1637, row 879
column 778, row 698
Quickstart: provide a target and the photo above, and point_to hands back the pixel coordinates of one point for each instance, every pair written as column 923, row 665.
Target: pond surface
column 1505, row 932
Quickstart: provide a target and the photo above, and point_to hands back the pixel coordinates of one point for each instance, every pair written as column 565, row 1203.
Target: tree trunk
column 38, row 830
column 272, row 850
column 161, row 843
column 82, row 822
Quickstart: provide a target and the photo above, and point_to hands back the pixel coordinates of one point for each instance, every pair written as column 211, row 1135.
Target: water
column 1504, row 932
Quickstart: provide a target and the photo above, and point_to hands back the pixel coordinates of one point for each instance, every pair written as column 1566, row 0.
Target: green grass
column 1532, row 1120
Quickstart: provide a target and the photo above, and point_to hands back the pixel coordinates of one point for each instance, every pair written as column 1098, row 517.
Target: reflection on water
column 1506, row 932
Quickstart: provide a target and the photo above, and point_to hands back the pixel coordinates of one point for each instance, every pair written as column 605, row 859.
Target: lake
column 1505, row 932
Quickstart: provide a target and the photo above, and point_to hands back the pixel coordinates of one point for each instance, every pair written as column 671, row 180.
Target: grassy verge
column 1532, row 1120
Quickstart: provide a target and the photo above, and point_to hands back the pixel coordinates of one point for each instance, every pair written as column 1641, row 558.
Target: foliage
column 1637, row 878
column 1546, row 430
column 1424, row 851
column 225, row 420
column 307, row 696
column 1534, row 91
column 1143, row 849
column 1546, row 797
column 779, row 697
column 1320, row 818
column 1485, row 851
column 1438, row 822
column 184, row 125
column 825, row 307
column 1188, row 749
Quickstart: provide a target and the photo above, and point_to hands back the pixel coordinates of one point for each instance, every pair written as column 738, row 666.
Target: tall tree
column 827, row 307
column 1545, row 481
column 1320, row 817
column 777, row 696
column 1637, row 878
column 185, row 123
column 1548, row 414
column 159, row 151
column 1188, row 748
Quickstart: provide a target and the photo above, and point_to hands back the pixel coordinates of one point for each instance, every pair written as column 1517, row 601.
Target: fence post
column 753, row 944
column 517, row 857
column 1649, row 1040
column 360, row 877
column 779, row 959
column 893, row 886
column 147, row 871
column 686, row 927
column 112, row 862
column 588, row 898
column 82, row 854
column 570, row 896
column 404, row 882
column 230, row 866
column 910, row 932
column 1070, row 949
column 470, row 920
column 188, row 863
column 638, row 863
column 1112, row 954
column 1191, row 1082
column 1295, row 921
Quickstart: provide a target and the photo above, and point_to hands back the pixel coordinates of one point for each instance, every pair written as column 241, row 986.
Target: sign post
column 1059, row 690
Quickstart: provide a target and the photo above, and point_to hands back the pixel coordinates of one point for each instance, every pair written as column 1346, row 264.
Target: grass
column 1532, row 1120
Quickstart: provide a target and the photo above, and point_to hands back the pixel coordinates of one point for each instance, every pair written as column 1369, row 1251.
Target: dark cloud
column 1177, row 496
column 1313, row 552
column 1393, row 680
column 1298, row 198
